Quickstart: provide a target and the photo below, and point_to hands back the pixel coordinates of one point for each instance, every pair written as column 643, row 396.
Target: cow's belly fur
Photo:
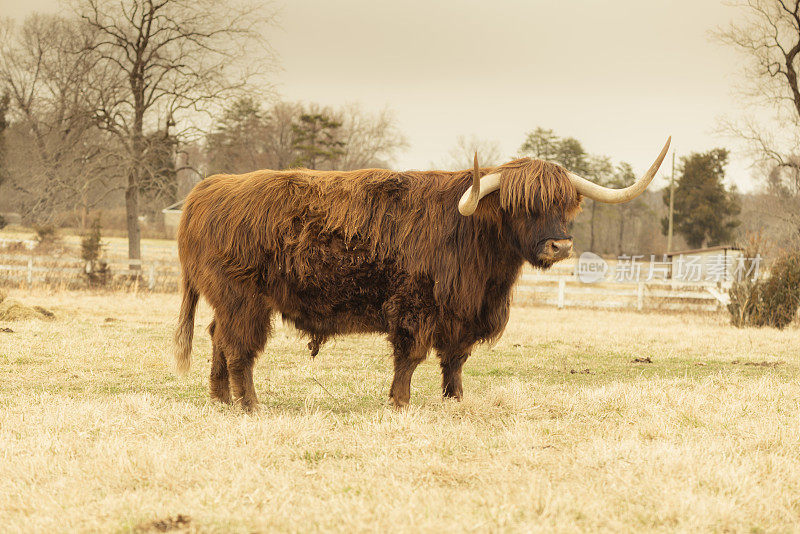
column 340, row 292
column 338, row 297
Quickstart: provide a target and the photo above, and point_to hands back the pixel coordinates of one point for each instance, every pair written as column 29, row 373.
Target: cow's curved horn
column 617, row 196
column 480, row 188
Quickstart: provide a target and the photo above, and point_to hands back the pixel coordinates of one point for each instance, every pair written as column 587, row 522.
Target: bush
column 45, row 233
column 91, row 245
column 771, row 302
column 3, row 222
column 97, row 271
column 47, row 237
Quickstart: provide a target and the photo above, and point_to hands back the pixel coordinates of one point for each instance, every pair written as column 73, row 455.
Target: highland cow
column 427, row 258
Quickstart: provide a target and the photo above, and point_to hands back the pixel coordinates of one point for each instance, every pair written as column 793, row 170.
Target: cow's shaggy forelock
column 535, row 187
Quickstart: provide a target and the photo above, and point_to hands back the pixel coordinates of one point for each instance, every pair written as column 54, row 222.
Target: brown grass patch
column 759, row 364
column 13, row 310
column 97, row 434
column 179, row 523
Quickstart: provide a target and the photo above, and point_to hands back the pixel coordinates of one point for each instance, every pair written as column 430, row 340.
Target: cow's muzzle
column 556, row 250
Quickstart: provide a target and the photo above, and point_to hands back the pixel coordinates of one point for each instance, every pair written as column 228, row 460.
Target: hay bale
column 13, row 310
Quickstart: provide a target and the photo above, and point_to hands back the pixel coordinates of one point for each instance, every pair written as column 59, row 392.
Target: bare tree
column 783, row 195
column 165, row 61
column 461, row 156
column 370, row 139
column 769, row 38
column 60, row 159
column 5, row 101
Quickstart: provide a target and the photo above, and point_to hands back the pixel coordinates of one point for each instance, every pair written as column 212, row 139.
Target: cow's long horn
column 479, row 189
column 617, row 196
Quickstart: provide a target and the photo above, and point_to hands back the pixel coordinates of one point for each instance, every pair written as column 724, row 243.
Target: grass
column 559, row 431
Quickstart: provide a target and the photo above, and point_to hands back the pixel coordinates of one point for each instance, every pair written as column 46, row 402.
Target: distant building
column 172, row 216
column 12, row 218
column 713, row 264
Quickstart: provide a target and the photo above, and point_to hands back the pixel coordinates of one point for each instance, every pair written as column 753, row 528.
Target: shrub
column 47, row 238
column 3, row 222
column 771, row 302
column 97, row 270
column 780, row 293
column 45, row 233
column 91, row 245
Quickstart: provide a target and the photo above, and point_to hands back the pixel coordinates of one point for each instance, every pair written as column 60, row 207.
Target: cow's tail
column 185, row 330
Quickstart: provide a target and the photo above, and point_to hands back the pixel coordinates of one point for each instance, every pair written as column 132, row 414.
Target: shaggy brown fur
column 362, row 251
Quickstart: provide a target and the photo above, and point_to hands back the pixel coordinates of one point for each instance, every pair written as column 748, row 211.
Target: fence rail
column 563, row 289
column 558, row 287
column 29, row 270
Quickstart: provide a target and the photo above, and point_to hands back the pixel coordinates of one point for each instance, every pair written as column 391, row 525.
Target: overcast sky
column 619, row 75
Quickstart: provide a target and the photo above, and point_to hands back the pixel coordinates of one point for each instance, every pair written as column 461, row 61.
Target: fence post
column 30, row 271
column 640, row 296
column 151, row 284
column 561, row 285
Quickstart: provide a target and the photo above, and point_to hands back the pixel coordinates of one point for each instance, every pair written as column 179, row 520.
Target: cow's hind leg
column 218, row 384
column 409, row 351
column 243, row 327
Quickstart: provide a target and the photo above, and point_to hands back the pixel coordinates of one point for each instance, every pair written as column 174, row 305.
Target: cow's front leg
column 241, row 377
column 408, row 353
column 451, row 363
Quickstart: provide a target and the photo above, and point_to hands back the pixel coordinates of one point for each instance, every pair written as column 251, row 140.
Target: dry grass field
column 560, row 430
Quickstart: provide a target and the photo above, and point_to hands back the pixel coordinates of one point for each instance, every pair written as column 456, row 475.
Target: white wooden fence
column 558, row 287
column 30, row 270
column 563, row 289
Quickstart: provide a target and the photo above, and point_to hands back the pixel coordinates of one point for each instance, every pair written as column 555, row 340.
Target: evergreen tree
column 237, row 143
column 705, row 211
column 315, row 140
column 158, row 185
column 567, row 151
column 540, row 143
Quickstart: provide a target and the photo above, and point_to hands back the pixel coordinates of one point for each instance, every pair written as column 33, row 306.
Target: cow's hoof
column 220, row 397
column 398, row 404
column 251, row 409
column 248, row 406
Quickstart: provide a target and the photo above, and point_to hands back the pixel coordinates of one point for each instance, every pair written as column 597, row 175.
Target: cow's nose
column 558, row 249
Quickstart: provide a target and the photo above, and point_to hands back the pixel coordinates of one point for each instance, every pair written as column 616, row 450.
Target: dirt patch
column 179, row 523
column 13, row 310
column 758, row 364
column 44, row 312
column 642, row 360
column 581, row 372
